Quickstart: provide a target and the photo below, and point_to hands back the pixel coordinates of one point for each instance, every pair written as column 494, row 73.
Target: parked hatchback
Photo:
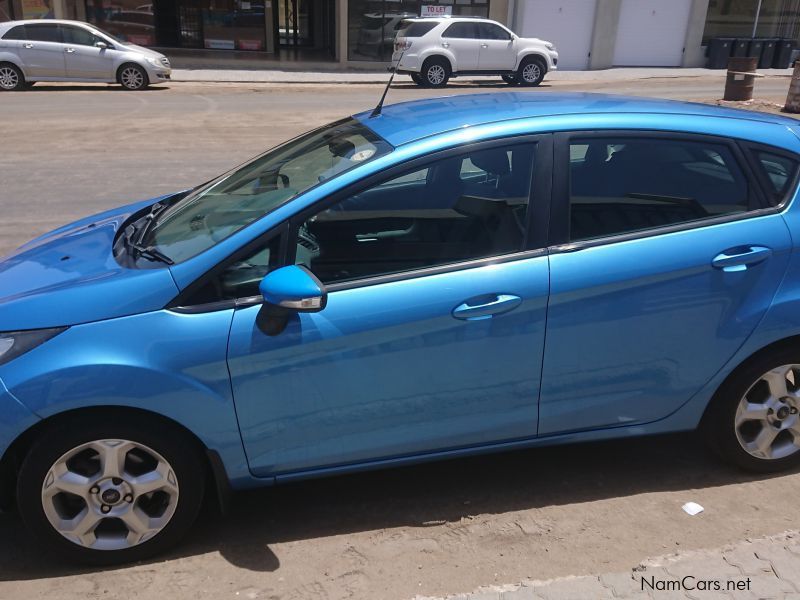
column 453, row 276
column 432, row 50
column 51, row 50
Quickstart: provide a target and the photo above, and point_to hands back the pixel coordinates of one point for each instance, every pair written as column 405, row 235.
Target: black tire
column 132, row 77
column 29, row 84
column 531, row 71
column 11, row 78
column 510, row 79
column 180, row 451
column 435, row 72
column 417, row 78
column 719, row 422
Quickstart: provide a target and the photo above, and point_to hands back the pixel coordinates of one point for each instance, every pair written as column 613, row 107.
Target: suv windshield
column 244, row 195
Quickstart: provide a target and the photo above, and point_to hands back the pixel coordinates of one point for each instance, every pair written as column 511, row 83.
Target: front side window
column 43, row 33
column 460, row 208
column 490, row 31
column 630, row 184
column 78, row 36
column 464, row 31
column 216, row 211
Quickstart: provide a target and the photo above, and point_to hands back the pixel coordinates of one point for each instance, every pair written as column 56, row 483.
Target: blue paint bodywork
column 616, row 339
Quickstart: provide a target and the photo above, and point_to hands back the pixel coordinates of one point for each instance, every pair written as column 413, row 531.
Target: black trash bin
column 741, row 47
column 754, row 48
column 767, row 53
column 783, row 54
column 719, row 50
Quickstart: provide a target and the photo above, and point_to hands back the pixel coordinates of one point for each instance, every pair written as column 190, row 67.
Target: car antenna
column 377, row 110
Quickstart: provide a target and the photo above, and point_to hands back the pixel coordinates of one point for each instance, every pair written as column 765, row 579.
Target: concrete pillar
column 604, row 36
column 341, row 31
column 693, row 55
column 498, row 11
column 59, row 9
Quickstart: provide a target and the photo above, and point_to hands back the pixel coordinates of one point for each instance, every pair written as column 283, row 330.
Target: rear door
column 497, row 48
column 670, row 257
column 42, row 50
column 462, row 40
column 84, row 59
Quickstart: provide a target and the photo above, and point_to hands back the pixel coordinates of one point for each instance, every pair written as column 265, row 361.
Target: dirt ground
column 429, row 530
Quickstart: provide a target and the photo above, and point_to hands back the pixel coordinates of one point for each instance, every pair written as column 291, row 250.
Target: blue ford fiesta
column 452, row 276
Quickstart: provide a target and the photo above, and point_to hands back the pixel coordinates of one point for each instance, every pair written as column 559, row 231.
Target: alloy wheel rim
column 436, row 74
column 767, row 418
column 531, row 72
column 8, row 78
column 110, row 494
column 132, row 78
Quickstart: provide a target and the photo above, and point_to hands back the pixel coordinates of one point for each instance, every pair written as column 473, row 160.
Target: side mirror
column 101, row 45
column 294, row 288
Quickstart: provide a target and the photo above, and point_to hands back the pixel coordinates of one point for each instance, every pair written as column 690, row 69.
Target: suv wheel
column 435, row 72
column 11, row 78
column 417, row 78
column 133, row 77
column 104, row 491
column 754, row 418
column 531, row 71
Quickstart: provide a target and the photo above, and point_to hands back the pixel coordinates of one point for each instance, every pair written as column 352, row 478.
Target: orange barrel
column 741, row 78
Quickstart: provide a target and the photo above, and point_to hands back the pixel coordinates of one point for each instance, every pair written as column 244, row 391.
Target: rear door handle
column 445, row 45
column 738, row 259
column 69, row 50
column 486, row 307
column 484, row 45
column 27, row 45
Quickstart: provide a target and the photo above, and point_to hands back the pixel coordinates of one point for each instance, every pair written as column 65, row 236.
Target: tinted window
column 78, row 36
column 489, row 31
column 456, row 209
column 623, row 185
column 461, row 30
column 413, row 29
column 15, row 33
column 43, row 33
column 779, row 172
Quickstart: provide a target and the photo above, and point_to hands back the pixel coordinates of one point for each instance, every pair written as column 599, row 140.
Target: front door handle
column 69, row 50
column 484, row 45
column 738, row 259
column 445, row 45
column 27, row 45
column 485, row 307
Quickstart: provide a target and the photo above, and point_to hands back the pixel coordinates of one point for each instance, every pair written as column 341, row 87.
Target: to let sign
column 430, row 10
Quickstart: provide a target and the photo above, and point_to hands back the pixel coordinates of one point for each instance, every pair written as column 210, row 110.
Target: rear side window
column 43, row 33
column 15, row 33
column 411, row 29
column 779, row 172
column 624, row 185
column 461, row 31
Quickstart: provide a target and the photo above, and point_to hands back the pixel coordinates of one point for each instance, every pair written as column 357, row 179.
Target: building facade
column 589, row 34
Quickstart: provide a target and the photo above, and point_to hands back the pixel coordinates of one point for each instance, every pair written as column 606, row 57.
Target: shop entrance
column 306, row 24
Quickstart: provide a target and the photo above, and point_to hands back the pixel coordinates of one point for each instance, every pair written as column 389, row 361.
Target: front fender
column 163, row 362
column 526, row 52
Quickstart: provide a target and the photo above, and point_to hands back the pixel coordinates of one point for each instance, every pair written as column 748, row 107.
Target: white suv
column 432, row 50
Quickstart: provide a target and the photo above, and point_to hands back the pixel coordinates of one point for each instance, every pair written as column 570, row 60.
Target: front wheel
column 754, row 418
column 531, row 71
column 11, row 78
column 133, row 77
column 417, row 78
column 111, row 490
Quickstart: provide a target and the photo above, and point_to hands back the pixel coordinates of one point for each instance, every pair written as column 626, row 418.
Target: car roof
column 407, row 122
column 10, row 24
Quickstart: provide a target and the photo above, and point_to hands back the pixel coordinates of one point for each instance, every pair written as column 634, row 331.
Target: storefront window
column 5, row 11
column 233, row 25
column 129, row 20
column 372, row 24
column 738, row 19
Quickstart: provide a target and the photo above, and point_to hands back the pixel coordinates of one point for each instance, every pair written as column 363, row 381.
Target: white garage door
column 651, row 33
column 566, row 23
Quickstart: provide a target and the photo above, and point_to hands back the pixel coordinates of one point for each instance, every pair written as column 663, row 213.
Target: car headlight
column 549, row 46
column 156, row 62
column 17, row 343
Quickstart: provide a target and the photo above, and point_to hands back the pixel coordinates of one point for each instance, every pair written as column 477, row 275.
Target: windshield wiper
column 136, row 250
column 155, row 210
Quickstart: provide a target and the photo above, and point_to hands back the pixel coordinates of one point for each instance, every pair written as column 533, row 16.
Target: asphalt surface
column 69, row 151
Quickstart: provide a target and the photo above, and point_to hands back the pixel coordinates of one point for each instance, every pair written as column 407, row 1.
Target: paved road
column 430, row 530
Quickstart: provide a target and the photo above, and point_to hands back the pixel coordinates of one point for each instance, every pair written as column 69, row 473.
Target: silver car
column 54, row 50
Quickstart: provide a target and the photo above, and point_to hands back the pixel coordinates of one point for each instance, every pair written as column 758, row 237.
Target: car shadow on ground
column 416, row 496
column 90, row 87
column 456, row 84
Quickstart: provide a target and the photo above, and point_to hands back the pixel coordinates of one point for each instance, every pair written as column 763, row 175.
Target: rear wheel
column 11, row 78
column 417, row 78
column 754, row 419
column 133, row 77
column 106, row 491
column 531, row 71
column 435, row 72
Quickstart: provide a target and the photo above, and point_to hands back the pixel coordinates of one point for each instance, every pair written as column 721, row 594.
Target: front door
column 84, row 59
column 433, row 333
column 497, row 48
column 670, row 265
column 42, row 51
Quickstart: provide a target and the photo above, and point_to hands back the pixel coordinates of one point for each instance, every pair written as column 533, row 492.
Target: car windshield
column 244, row 195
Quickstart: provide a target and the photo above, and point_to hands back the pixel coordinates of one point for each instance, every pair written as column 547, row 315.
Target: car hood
column 70, row 276
column 146, row 51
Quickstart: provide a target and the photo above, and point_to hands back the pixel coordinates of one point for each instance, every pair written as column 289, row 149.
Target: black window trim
column 538, row 221
column 559, row 240
column 751, row 148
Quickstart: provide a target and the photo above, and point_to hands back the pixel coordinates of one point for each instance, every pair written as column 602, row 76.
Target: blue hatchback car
column 452, row 276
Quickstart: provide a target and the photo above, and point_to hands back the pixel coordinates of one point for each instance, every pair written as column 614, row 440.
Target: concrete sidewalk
column 754, row 569
column 360, row 77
